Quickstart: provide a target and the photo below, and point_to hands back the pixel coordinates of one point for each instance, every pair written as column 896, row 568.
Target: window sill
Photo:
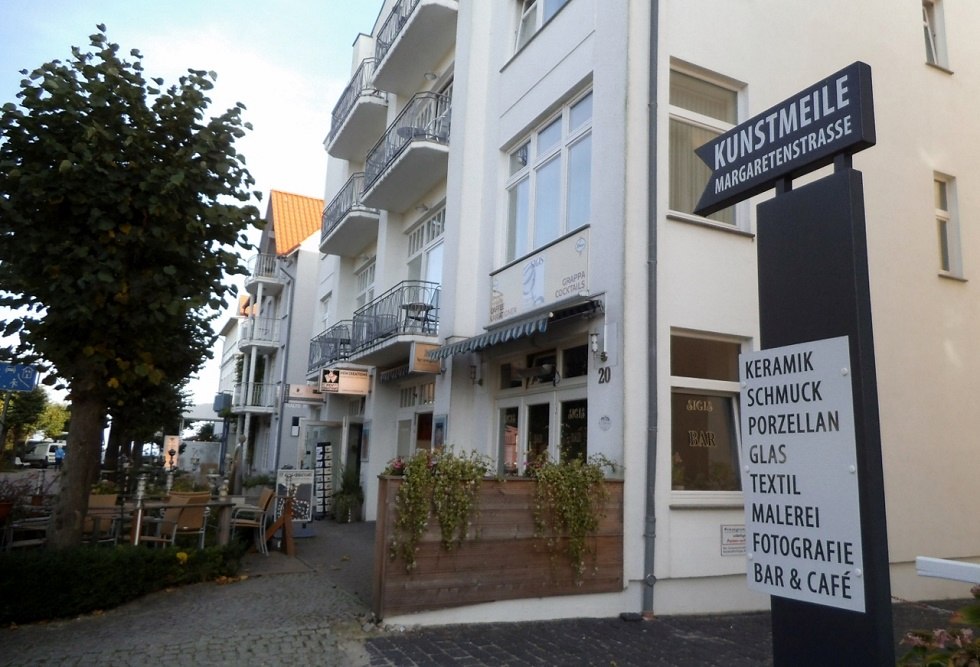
column 941, row 68
column 706, row 500
column 707, row 222
column 952, row 276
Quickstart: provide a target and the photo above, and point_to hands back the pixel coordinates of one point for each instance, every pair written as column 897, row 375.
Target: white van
column 42, row 454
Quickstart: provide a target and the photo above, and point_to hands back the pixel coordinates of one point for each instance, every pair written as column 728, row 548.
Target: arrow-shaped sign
column 795, row 137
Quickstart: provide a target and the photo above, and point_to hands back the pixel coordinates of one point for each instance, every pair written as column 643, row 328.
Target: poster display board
column 299, row 485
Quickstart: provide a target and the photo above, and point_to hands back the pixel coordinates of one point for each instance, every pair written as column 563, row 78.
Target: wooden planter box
column 500, row 559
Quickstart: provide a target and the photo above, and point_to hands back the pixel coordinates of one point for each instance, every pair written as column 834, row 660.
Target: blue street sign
column 17, row 378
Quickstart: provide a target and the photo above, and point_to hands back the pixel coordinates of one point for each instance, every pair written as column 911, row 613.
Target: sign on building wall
column 556, row 273
column 353, row 381
column 303, row 393
column 419, row 361
column 799, row 474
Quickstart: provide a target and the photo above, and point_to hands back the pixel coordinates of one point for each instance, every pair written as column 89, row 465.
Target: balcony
column 413, row 40
column 348, row 225
column 412, row 156
column 359, row 116
column 263, row 270
column 383, row 331
column 330, row 346
column 261, row 333
column 254, row 397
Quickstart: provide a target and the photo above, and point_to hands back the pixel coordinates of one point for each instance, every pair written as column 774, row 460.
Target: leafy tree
column 53, row 420
column 23, row 414
column 121, row 209
column 137, row 421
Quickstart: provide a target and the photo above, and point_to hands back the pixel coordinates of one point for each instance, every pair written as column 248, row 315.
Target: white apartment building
column 273, row 335
column 509, row 255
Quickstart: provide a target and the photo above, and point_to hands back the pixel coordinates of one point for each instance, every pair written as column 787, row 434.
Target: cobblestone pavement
column 286, row 610
column 314, row 608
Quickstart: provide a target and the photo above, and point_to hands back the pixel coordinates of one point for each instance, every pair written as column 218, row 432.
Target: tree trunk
column 84, row 449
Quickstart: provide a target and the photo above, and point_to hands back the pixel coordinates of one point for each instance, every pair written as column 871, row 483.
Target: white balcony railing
column 254, row 395
column 261, row 331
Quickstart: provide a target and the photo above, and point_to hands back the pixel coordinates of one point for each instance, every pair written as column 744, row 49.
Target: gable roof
column 293, row 218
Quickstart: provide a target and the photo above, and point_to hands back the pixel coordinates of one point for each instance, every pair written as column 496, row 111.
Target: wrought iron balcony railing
column 360, row 84
column 330, row 346
column 347, row 200
column 424, row 118
column 410, row 307
column 392, row 26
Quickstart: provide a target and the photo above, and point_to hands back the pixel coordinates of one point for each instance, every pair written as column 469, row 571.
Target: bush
column 954, row 646
column 47, row 584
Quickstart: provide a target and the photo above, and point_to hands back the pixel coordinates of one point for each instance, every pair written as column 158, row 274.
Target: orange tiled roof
column 293, row 218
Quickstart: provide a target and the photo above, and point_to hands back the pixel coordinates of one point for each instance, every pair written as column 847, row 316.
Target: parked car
column 43, row 454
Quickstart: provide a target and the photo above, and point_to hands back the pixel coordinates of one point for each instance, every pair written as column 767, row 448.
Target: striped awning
column 518, row 329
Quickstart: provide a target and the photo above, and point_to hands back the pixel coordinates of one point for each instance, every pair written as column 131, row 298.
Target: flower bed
column 500, row 559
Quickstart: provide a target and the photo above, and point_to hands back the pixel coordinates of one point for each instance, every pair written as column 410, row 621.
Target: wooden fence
column 501, row 559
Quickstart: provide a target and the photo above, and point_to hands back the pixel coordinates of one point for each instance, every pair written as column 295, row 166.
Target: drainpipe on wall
column 650, row 519
column 285, row 363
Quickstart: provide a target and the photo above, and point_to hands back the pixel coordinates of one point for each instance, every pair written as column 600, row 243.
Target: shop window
column 574, row 430
column 575, row 362
column 704, row 411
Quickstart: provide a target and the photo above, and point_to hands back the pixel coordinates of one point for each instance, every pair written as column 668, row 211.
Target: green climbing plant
column 443, row 484
column 569, row 503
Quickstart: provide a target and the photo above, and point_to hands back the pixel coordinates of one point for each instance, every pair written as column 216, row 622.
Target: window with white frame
column 425, row 249
column 700, row 110
column 534, row 14
column 704, row 414
column 549, row 185
column 948, row 227
column 542, row 408
column 933, row 28
column 364, row 281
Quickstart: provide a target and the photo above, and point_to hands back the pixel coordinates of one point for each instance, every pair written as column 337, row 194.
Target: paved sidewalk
column 315, row 608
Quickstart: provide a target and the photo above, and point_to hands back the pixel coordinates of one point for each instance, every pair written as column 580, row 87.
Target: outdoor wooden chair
column 183, row 515
column 255, row 517
column 102, row 520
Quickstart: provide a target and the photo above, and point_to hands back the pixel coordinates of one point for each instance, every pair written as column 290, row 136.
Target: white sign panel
column 799, row 474
column 557, row 272
column 351, row 381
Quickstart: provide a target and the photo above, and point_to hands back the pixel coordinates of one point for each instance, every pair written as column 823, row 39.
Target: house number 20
column 605, row 374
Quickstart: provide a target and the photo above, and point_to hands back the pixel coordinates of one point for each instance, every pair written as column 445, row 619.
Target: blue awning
column 518, row 329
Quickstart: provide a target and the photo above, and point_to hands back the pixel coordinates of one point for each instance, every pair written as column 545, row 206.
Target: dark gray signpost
column 812, row 475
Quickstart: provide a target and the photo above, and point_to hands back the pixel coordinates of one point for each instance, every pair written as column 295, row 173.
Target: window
column 704, row 405
column 933, row 28
column 365, row 284
column 325, row 311
column 699, row 111
column 948, row 228
column 534, row 14
column 549, row 186
column 425, row 249
column 540, row 412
